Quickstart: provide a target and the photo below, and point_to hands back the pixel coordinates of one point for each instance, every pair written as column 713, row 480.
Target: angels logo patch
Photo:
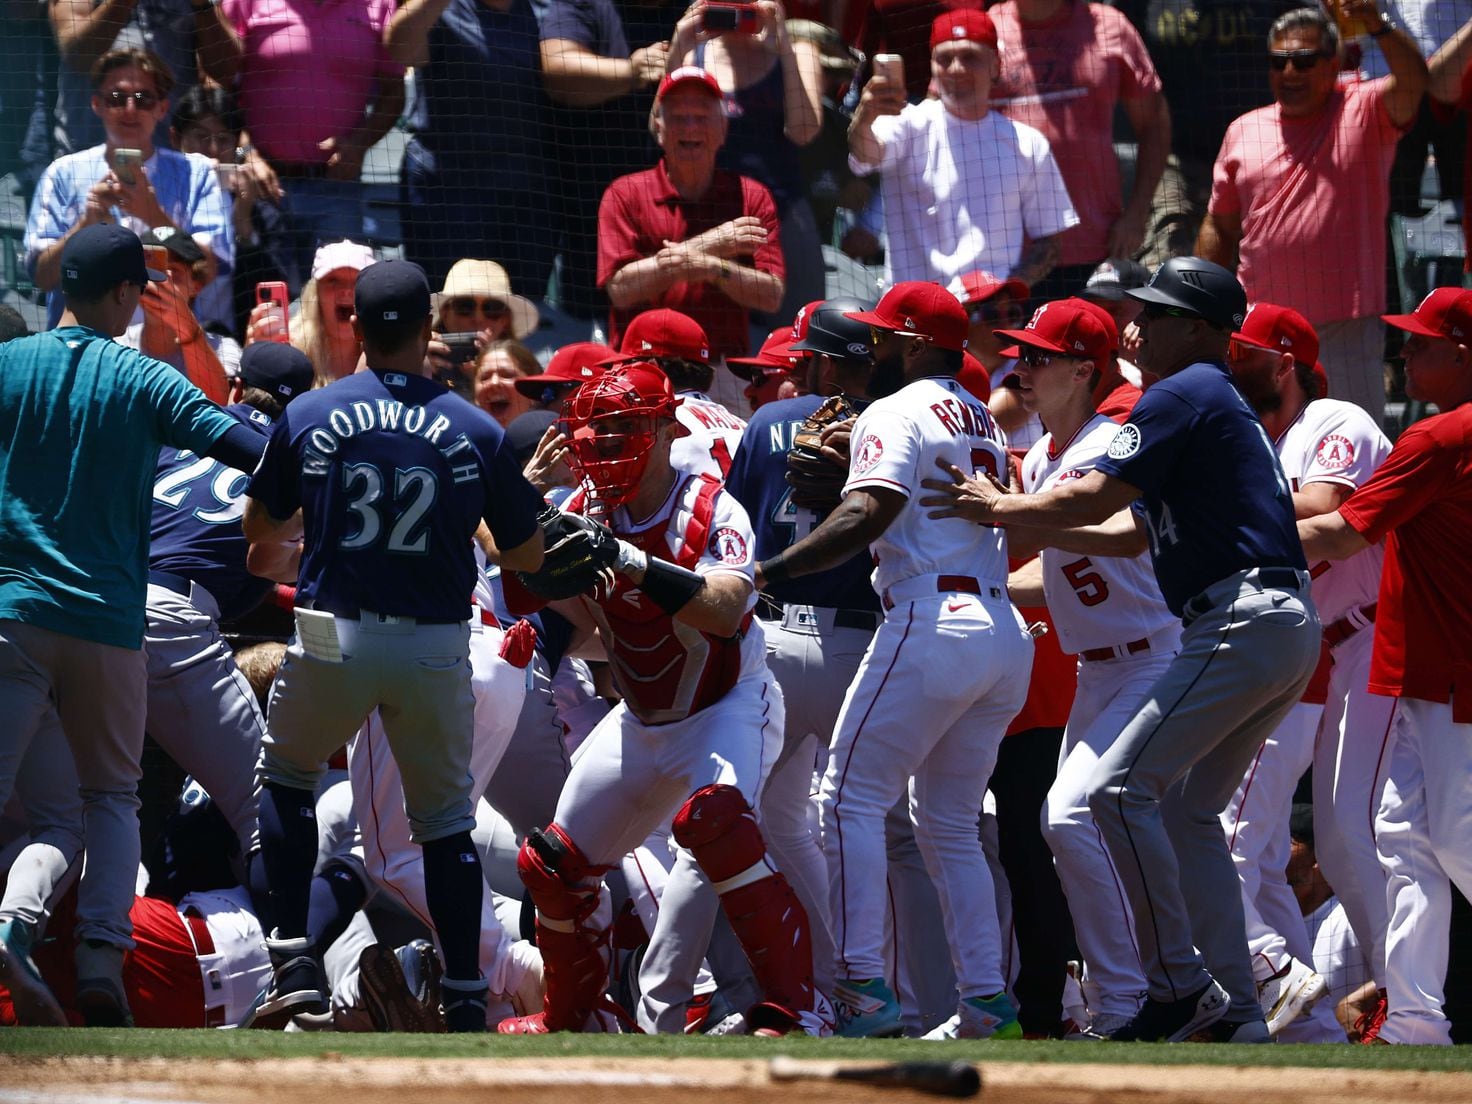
column 1125, row 443
column 1335, row 453
column 870, row 449
column 728, row 546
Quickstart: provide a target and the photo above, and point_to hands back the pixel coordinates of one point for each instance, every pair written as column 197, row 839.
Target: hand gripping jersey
column 1095, row 601
column 1337, row 442
column 896, row 443
column 712, row 434
column 665, row 669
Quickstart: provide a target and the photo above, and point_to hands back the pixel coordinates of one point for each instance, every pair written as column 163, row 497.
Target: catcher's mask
column 611, row 425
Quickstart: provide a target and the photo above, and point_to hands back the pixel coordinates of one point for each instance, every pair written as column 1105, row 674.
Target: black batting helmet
column 829, row 332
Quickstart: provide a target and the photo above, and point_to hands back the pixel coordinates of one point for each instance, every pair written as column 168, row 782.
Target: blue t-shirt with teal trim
column 81, row 421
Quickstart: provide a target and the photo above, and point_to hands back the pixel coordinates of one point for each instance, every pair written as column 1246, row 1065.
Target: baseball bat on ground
column 959, row 1079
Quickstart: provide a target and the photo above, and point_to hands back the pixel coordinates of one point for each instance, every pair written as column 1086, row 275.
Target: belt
column 199, row 934
column 907, row 590
column 768, row 609
column 390, row 618
column 1284, row 578
column 1339, row 631
column 487, row 617
column 1117, row 651
column 169, row 581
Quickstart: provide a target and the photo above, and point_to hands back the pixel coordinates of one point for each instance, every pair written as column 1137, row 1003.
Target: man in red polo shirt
column 1420, row 502
column 688, row 236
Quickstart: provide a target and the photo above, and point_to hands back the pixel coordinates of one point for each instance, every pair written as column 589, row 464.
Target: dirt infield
column 666, row 1081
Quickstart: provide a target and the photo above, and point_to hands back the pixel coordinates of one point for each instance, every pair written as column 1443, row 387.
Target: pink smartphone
column 275, row 291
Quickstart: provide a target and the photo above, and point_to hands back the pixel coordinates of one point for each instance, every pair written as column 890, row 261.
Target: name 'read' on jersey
column 1095, row 601
column 666, row 669
column 1332, row 441
column 896, row 443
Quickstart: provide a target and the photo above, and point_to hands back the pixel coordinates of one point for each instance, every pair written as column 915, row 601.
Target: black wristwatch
column 1382, row 32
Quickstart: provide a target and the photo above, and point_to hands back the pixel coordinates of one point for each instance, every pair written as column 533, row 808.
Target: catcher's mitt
column 579, row 554
column 816, row 477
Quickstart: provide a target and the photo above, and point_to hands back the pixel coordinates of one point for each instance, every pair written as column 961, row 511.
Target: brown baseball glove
column 817, row 462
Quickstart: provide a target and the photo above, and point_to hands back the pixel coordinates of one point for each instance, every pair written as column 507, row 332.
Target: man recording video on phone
column 127, row 179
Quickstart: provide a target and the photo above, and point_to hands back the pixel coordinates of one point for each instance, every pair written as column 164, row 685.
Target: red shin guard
column 564, row 886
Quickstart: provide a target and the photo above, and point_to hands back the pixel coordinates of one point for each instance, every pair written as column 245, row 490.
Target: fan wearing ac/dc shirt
column 697, row 730
column 386, row 476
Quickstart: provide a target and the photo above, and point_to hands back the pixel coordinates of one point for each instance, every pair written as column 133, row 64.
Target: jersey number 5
column 414, row 492
column 1088, row 584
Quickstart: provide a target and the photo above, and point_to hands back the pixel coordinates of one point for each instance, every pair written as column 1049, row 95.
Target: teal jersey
column 81, row 421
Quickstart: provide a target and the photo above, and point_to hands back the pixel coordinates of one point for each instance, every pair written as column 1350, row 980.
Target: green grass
column 247, row 1045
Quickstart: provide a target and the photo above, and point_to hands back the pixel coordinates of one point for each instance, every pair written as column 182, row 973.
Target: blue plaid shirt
column 187, row 190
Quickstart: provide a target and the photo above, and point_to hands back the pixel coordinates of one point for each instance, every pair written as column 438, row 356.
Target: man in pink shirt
column 317, row 89
column 1301, row 191
column 1065, row 65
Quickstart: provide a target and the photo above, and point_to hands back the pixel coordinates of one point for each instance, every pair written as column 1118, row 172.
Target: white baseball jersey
column 1095, row 601
column 714, row 433
column 896, row 443
column 1332, row 441
column 1337, row 954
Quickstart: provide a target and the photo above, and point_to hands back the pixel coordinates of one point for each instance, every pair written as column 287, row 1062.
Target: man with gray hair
column 1292, row 176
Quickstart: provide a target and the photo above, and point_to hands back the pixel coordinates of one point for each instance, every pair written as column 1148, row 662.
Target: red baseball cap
column 576, row 363
column 775, row 356
column 916, row 308
column 974, row 377
column 966, row 24
column 979, row 286
column 1073, row 327
column 689, row 76
column 1281, row 329
column 1446, row 312
column 663, row 333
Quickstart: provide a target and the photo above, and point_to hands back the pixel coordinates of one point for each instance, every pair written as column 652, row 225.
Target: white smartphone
column 892, row 68
column 126, row 163
column 227, row 173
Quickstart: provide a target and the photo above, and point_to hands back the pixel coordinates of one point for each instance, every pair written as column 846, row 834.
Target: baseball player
column 1420, row 502
column 386, row 475
column 1218, row 515
column 698, row 727
column 679, row 346
column 950, row 639
column 1107, row 609
column 1327, row 447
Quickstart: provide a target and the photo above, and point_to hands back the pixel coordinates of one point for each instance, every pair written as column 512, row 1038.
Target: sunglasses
column 116, row 100
column 1241, row 350
column 1041, row 358
column 491, row 308
column 991, row 313
column 1301, row 60
column 1160, row 310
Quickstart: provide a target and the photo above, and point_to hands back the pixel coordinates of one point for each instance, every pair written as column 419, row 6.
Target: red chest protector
column 665, row 669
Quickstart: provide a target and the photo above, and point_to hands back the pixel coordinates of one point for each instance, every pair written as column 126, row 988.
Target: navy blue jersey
column 757, row 479
column 195, row 530
column 392, row 474
column 1216, row 499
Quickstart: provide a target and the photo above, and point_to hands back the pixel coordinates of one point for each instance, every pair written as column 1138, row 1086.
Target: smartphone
column 275, row 291
column 892, row 68
column 156, row 257
column 226, row 173
column 125, row 165
column 740, row 18
column 462, row 346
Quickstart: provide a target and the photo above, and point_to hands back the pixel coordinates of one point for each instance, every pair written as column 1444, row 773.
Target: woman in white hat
column 322, row 319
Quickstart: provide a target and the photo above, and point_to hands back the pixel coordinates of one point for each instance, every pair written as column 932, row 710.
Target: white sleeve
column 1046, row 206
column 883, row 453
column 731, row 547
column 1345, row 448
column 893, row 133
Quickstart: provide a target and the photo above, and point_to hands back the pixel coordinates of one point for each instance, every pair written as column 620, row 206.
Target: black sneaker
column 295, row 986
column 102, row 1003
column 1234, row 1031
column 464, row 1004
column 1175, row 1021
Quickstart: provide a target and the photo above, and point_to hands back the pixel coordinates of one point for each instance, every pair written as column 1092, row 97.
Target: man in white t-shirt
column 964, row 187
column 951, row 640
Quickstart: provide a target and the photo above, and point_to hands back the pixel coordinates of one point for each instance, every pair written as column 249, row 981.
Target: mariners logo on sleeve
column 1125, row 443
column 729, row 546
column 1335, row 453
column 870, row 449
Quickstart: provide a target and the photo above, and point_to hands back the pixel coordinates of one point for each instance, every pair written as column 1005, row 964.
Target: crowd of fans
column 587, row 179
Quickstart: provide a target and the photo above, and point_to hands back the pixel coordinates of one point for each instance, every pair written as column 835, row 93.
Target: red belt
column 946, row 584
column 1337, row 633
column 487, row 617
column 199, row 934
column 1134, row 647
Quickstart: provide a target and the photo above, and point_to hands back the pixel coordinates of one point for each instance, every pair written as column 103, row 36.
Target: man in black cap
column 82, row 419
column 1218, row 515
column 385, row 475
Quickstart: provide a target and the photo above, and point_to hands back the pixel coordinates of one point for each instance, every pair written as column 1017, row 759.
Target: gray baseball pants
column 1159, row 790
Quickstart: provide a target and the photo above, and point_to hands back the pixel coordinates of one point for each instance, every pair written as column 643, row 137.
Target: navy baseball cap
column 395, row 292
column 278, row 369
column 101, row 256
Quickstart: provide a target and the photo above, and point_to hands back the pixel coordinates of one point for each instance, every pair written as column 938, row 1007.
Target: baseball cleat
column 772, row 1021
column 295, row 986
column 1288, row 994
column 865, row 1009
column 1234, row 1031
column 32, row 998
column 464, row 1003
column 1100, row 1028
column 1175, row 1021
column 980, row 1018
column 392, row 1005
column 102, row 1003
